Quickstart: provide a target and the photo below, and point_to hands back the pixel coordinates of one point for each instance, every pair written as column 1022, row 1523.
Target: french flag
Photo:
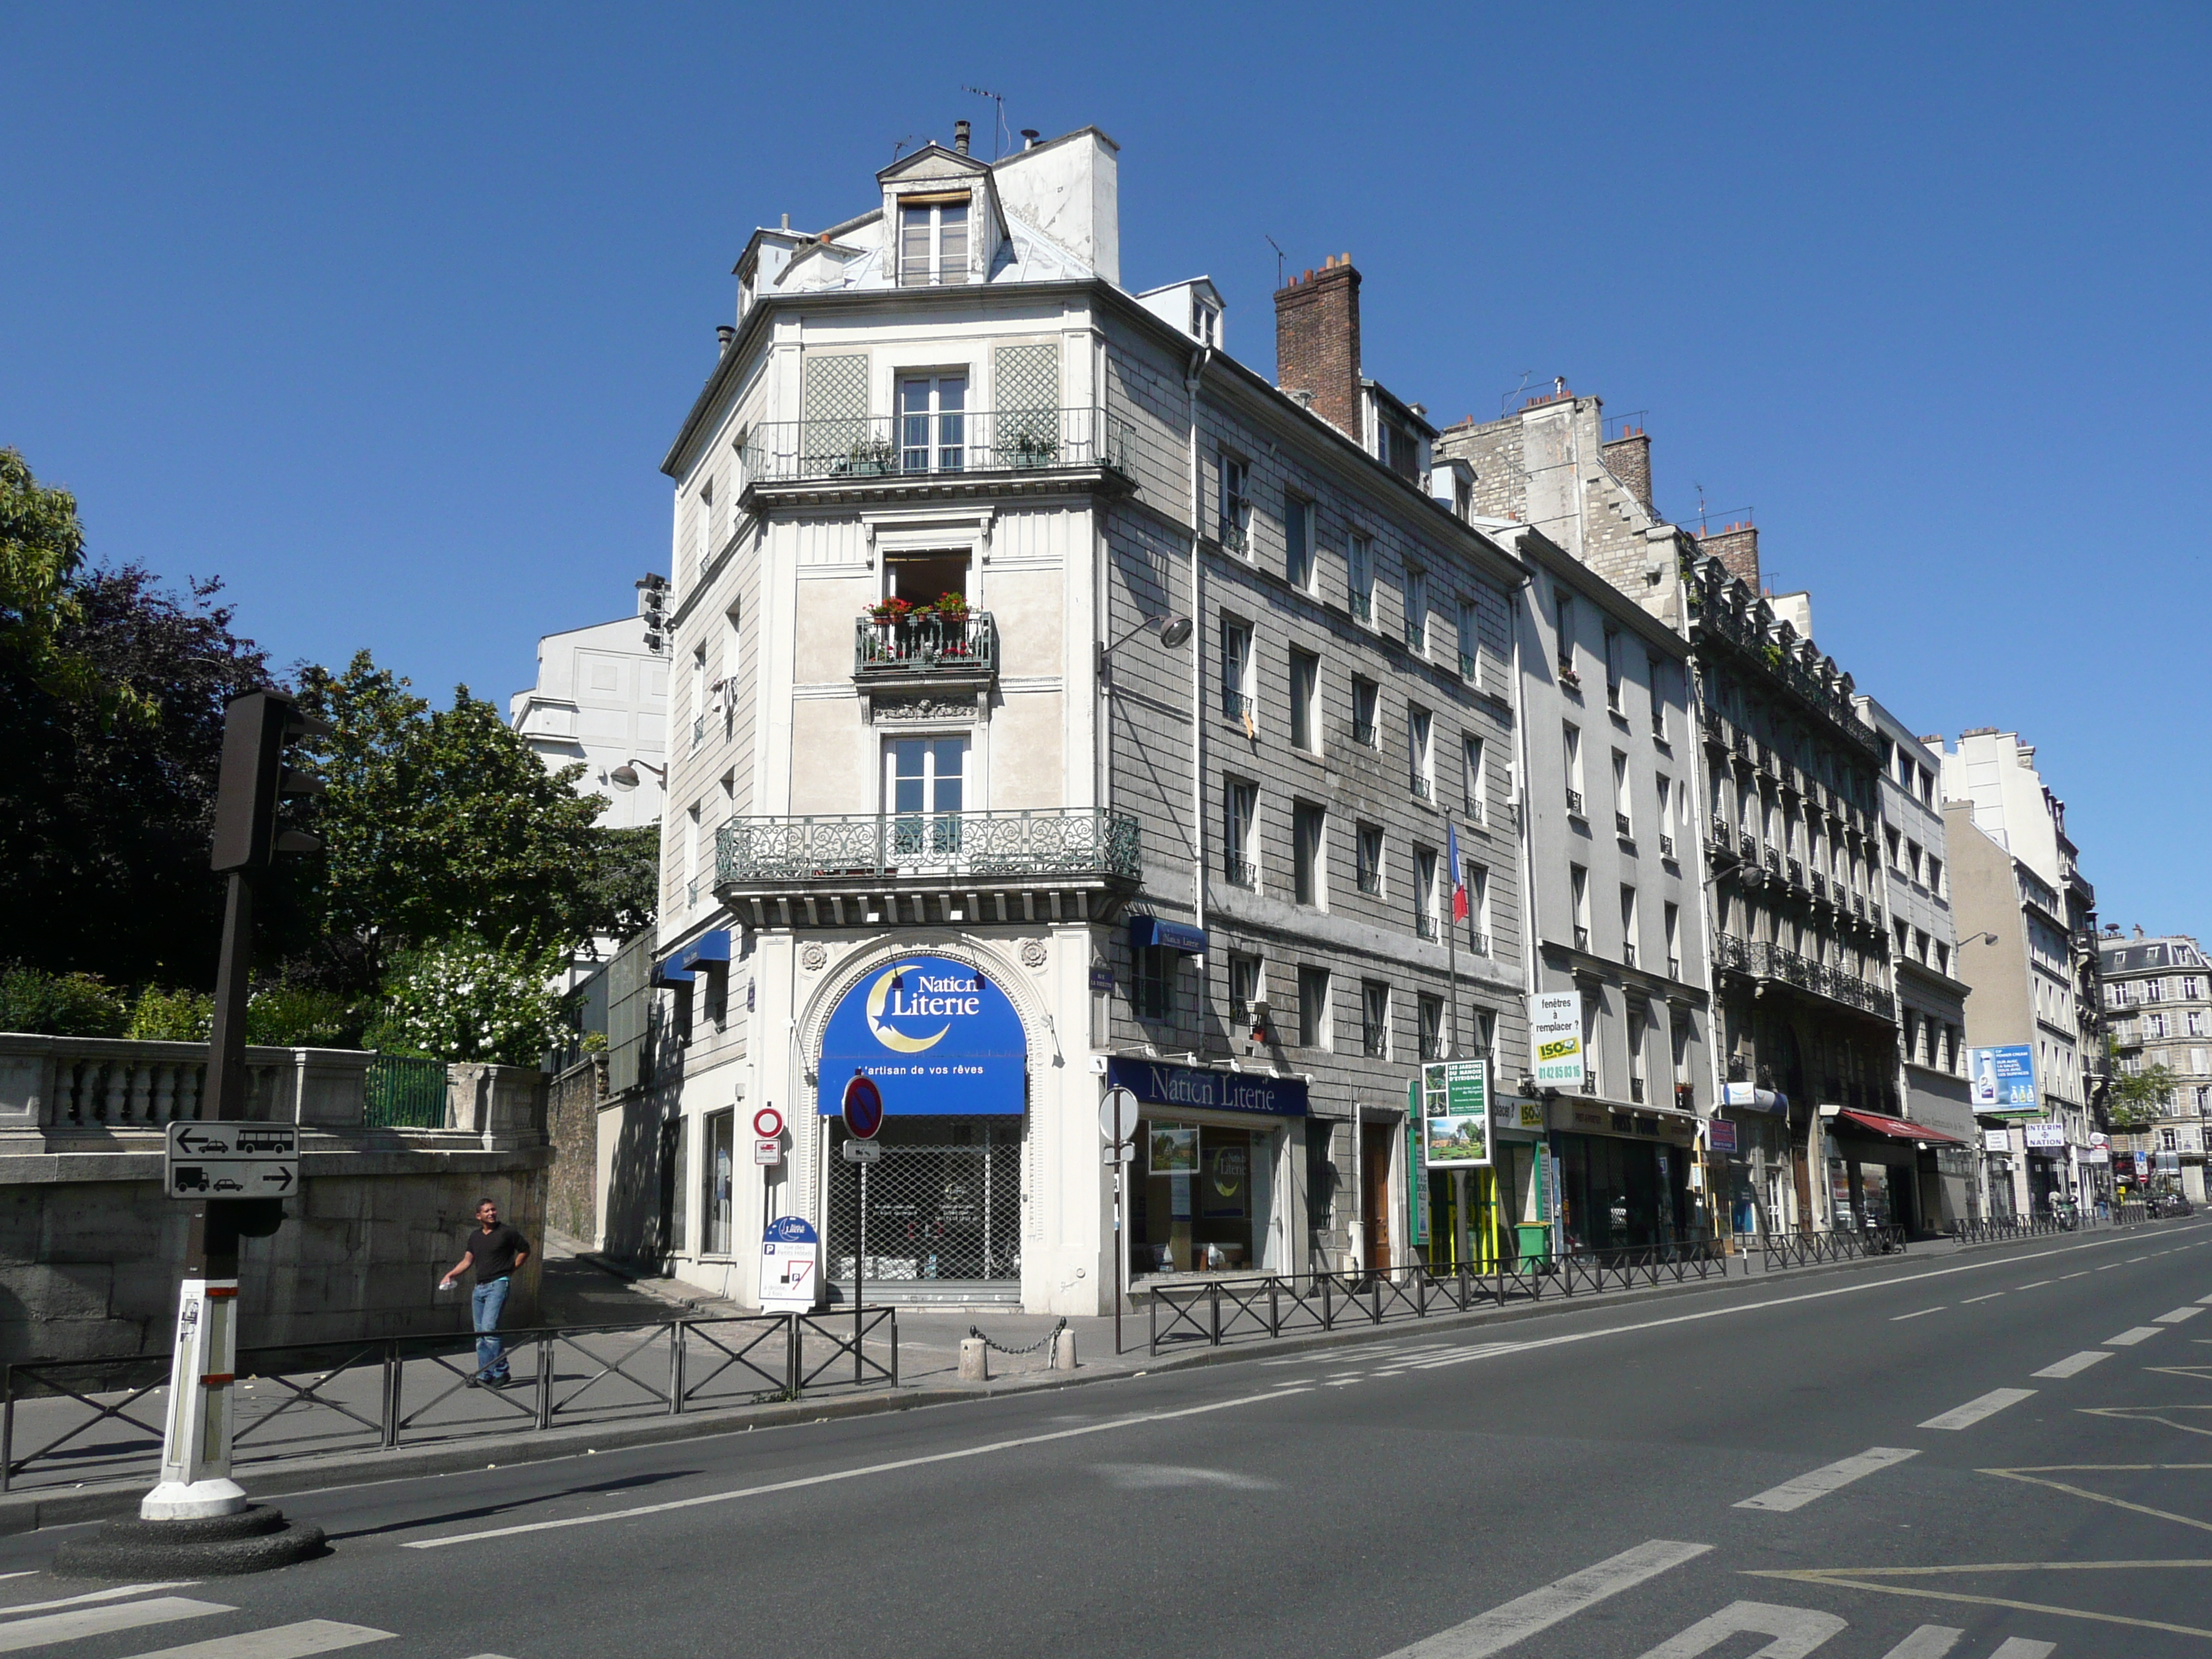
column 1458, row 874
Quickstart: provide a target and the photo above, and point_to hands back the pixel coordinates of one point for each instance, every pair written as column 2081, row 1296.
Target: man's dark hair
column 483, row 1201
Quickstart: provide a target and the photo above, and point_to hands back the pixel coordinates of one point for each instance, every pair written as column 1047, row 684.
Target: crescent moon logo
column 898, row 1042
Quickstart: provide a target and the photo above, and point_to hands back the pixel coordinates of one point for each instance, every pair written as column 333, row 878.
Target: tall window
column 1657, row 673
column 1612, row 669
column 1421, row 751
column 1622, row 822
column 1359, row 577
column 1297, row 543
column 934, row 423
column 1666, row 793
column 933, row 243
column 719, row 1169
column 1478, row 786
column 1243, row 985
column 1431, row 1010
column 1375, row 1019
column 1308, row 853
column 1571, row 737
column 1636, row 1025
column 1151, row 984
column 1628, row 924
column 1305, row 694
column 1417, row 610
column 1578, row 891
column 1563, row 607
column 1478, row 909
column 1673, row 919
column 1240, row 803
column 1370, row 857
column 1425, row 891
column 1236, row 671
column 1470, row 640
column 1365, row 697
column 925, row 785
column 1236, row 518
column 1313, row 1007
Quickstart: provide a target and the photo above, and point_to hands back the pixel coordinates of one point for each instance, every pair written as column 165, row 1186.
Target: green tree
column 623, row 892
column 42, row 550
column 462, row 999
column 442, row 823
column 2139, row 1098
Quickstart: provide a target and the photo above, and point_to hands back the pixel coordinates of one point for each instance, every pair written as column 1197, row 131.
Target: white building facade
column 601, row 698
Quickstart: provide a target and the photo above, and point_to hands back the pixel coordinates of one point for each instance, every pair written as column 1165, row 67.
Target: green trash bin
column 1535, row 1240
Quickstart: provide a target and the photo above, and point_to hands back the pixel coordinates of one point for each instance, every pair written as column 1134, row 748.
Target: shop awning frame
column 1894, row 1128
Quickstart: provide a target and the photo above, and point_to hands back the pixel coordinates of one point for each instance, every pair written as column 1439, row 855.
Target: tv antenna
column 1702, row 525
column 1279, row 257
column 1505, row 401
column 1000, row 129
column 899, row 149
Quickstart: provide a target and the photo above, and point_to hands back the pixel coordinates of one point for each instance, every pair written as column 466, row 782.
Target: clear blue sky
column 386, row 315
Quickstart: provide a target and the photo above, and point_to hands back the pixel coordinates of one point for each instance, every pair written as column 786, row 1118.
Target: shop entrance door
column 945, row 1209
column 1375, row 1140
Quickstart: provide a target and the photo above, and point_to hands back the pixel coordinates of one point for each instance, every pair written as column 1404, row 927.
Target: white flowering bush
column 465, row 1000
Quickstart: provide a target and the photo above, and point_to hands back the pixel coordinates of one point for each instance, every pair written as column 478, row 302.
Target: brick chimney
column 1318, row 342
column 1628, row 457
column 1736, row 546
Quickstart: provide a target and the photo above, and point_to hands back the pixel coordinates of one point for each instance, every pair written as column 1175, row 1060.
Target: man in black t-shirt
column 495, row 1251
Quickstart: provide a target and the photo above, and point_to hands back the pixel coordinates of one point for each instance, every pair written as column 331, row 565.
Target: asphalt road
column 1998, row 1455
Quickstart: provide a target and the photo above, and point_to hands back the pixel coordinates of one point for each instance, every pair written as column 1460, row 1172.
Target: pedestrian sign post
column 231, row 1159
column 863, row 1111
column 790, row 1255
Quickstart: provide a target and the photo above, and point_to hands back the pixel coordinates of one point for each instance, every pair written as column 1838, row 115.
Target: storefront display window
column 1198, row 1198
column 1618, row 1194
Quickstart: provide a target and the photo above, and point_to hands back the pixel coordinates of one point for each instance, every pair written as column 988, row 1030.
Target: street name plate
column 863, row 1152
column 225, row 1158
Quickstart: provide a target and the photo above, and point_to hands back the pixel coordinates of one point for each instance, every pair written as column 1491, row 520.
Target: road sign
column 767, row 1123
column 863, row 1152
column 864, row 1108
column 1117, row 1115
column 767, row 1149
column 228, row 1159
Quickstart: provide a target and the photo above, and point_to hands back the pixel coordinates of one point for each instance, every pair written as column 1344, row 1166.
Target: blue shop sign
column 1156, row 1084
column 936, row 1037
column 710, row 947
column 1148, row 931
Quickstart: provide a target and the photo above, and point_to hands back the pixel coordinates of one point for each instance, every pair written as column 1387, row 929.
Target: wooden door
column 1376, row 1142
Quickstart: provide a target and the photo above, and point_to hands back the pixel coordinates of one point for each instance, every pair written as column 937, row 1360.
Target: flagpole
column 1451, row 940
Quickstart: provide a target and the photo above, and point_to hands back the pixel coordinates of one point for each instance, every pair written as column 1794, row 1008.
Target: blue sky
column 386, row 315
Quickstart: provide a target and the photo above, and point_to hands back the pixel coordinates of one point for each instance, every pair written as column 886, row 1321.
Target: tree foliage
column 462, row 999
column 2139, row 1098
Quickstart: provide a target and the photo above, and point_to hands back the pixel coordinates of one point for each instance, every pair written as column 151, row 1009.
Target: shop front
column 1624, row 1175
column 2050, row 1173
column 941, row 1197
column 1210, row 1188
column 1748, row 1152
column 1875, row 1169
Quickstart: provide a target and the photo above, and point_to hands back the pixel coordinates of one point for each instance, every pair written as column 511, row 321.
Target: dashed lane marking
column 1539, row 1609
column 2075, row 1364
column 1899, row 1318
column 1792, row 1495
column 2178, row 1315
column 1984, row 1406
column 1970, row 1300
column 2132, row 1335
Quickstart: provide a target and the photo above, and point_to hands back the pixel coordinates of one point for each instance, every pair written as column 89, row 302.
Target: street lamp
column 1173, row 630
column 625, row 775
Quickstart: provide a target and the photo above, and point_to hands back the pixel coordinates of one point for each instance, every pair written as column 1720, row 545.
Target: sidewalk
column 303, row 1428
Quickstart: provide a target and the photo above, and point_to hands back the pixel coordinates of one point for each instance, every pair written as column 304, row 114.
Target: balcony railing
column 1748, row 847
column 1072, row 841
column 1363, row 606
column 1468, row 665
column 1425, row 924
column 1764, row 960
column 1238, row 707
column 895, row 648
column 1370, row 1041
column 1820, row 885
column 1422, row 787
column 1574, row 803
column 1636, row 1091
column 1622, row 828
column 1582, row 937
column 1478, row 944
column 1796, row 873
column 1371, row 880
column 1417, row 637
column 1363, row 733
column 1666, row 847
column 1239, row 872
column 893, row 447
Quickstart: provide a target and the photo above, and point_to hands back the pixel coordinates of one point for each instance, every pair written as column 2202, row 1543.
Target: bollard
column 1063, row 1352
column 975, row 1360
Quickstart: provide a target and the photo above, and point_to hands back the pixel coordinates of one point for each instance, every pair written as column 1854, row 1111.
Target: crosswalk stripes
column 21, row 1635
column 33, row 1626
column 309, row 1636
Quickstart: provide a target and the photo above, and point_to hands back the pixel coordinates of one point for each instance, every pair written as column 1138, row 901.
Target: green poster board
column 1417, row 1168
column 1455, row 1112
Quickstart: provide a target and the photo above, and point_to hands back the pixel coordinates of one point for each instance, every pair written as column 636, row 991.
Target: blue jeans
column 486, row 1303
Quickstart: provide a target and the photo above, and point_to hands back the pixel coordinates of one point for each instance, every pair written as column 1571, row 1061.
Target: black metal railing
column 893, row 646
column 405, row 1092
column 1807, row 1250
column 1763, row 960
column 1066, row 842
column 99, row 1419
column 936, row 446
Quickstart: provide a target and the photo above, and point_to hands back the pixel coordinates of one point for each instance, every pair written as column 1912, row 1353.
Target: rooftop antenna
column 998, row 130
column 899, row 149
column 1505, row 401
column 1277, row 247
column 1702, row 525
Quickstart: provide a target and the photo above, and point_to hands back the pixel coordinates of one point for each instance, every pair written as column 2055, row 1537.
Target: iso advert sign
column 1555, row 1039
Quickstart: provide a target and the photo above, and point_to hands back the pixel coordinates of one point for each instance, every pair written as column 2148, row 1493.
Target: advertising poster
column 1457, row 1108
column 1228, row 1171
column 1555, row 1038
column 933, row 1034
column 2002, row 1079
column 2046, row 1137
column 1173, row 1149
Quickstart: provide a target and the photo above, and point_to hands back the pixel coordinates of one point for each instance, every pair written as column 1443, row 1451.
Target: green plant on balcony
column 871, row 457
column 1032, row 447
column 953, row 607
column 892, row 610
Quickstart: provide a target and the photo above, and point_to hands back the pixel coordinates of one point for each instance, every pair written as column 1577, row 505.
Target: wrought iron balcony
column 1478, row 944
column 1666, row 847
column 1622, row 828
column 1063, row 843
column 1422, row 787
column 1425, row 924
column 1417, row 636
column 1363, row 606
column 939, row 446
column 1574, row 803
column 1363, row 732
column 1371, row 880
column 1761, row 960
column 1239, row 872
column 1468, row 665
column 1581, row 936
column 926, row 647
column 1235, row 533
column 1238, row 707
column 1796, row 872
column 1774, row 861
column 1747, row 846
column 1636, row 1091
column 1820, row 887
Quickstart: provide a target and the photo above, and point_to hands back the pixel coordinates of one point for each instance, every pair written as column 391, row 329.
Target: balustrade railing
column 923, row 446
column 1069, row 841
column 888, row 647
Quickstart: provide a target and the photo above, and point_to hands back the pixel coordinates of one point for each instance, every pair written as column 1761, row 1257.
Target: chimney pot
column 786, row 222
column 724, row 333
column 960, row 136
column 1029, row 136
column 1317, row 343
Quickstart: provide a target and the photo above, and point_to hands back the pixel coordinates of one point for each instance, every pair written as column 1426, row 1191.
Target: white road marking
column 2031, row 1283
column 1938, row 1307
column 115, row 1594
column 1970, row 1300
column 1928, row 1641
column 2019, row 1647
column 278, row 1642
column 1796, row 1632
column 836, row 1475
column 2204, row 1300
column 2075, row 1364
column 2132, row 1260
column 1988, row 1405
column 2107, row 1268
column 2178, row 1315
column 1539, row 1609
column 1396, row 1373
column 1297, row 1383
column 2084, row 1273
column 2132, row 1335
column 100, row 1621
column 1795, row 1494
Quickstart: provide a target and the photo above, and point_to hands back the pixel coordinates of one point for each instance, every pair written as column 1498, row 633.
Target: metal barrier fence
column 382, row 1393
column 1806, row 1249
column 1280, row 1304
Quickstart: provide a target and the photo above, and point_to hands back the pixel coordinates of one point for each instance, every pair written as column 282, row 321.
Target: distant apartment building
column 601, row 697
column 2158, row 1008
column 1931, row 998
column 2026, row 919
column 1807, row 1129
column 1060, row 704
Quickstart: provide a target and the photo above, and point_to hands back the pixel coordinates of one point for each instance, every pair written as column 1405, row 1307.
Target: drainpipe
column 1531, row 955
column 1191, row 378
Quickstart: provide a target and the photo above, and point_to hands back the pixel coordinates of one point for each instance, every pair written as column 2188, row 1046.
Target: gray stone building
column 2158, row 1009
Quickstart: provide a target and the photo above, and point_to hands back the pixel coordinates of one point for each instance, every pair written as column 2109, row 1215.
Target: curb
column 39, row 1510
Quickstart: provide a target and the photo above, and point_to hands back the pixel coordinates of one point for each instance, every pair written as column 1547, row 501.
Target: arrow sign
column 281, row 1177
column 196, row 1143
column 204, row 1161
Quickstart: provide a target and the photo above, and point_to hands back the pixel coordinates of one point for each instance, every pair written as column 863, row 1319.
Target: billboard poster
column 2002, row 1079
column 1173, row 1149
column 1555, row 1038
column 2046, row 1136
column 1456, row 1109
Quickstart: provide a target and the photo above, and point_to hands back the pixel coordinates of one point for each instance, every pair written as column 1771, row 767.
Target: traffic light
column 653, row 607
column 256, row 728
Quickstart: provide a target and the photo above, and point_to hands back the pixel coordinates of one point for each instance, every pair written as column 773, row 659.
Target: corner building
column 1058, row 703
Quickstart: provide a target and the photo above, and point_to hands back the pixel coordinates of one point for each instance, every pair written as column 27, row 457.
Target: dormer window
column 932, row 240
column 1206, row 322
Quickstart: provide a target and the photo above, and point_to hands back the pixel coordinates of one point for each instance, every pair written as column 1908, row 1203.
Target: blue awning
column 1758, row 1100
column 710, row 947
column 1148, row 931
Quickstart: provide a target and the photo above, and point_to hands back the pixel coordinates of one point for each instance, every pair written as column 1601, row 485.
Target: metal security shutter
column 944, row 1202
column 629, row 1010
